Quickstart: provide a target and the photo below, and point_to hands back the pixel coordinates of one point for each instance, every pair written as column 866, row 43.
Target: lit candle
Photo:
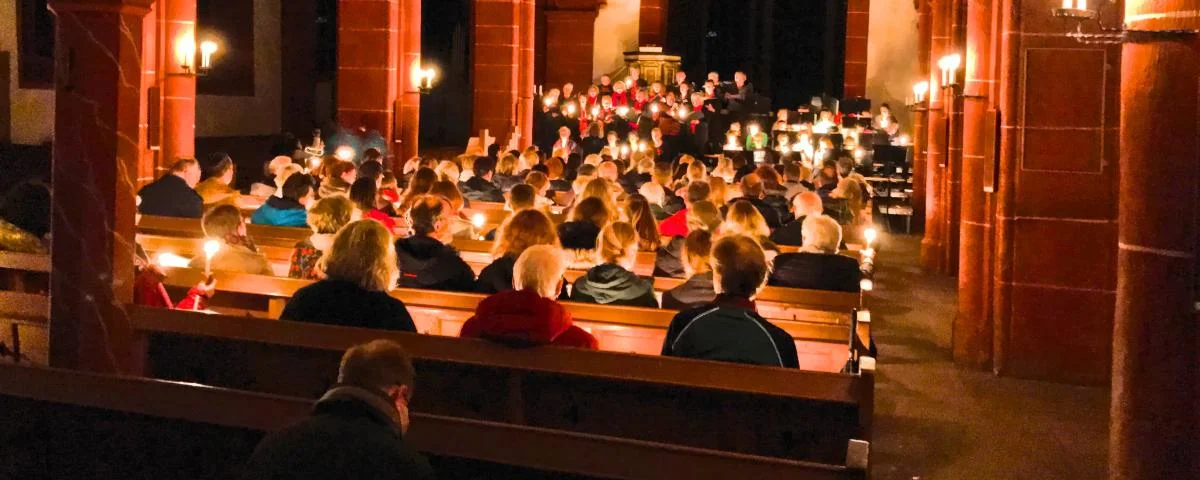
column 920, row 89
column 344, row 153
column 642, row 147
column 571, row 109
column 595, row 112
column 622, row 110
column 624, row 151
column 870, row 234
column 1081, row 4
column 207, row 49
column 478, row 220
column 170, row 260
column 211, row 248
column 185, row 51
column 866, row 285
column 1068, row 3
column 682, row 113
column 549, row 102
column 654, row 108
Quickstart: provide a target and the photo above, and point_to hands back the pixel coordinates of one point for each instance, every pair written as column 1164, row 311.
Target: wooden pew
column 821, row 340
column 24, row 306
column 65, row 424
column 774, row 301
column 773, row 412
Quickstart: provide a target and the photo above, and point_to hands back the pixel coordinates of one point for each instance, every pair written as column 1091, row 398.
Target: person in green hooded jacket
column 613, row 282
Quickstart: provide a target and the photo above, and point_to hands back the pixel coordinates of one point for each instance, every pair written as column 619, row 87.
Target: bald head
column 807, row 204
column 609, row 171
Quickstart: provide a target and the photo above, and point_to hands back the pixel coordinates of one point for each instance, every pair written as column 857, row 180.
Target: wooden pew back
column 62, row 424
column 746, row 409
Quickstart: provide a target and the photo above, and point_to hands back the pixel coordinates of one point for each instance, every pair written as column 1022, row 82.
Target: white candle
column 1068, row 3
column 210, row 249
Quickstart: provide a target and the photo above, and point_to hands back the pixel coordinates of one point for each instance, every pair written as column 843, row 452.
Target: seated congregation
column 397, row 229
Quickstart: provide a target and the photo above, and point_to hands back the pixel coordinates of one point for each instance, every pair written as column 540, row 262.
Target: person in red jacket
column 528, row 315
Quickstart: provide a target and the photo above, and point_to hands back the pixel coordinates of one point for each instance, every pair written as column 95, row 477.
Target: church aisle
column 934, row 420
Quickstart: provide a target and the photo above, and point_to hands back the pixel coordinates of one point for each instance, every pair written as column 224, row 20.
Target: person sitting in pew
column 613, row 281
column 803, row 205
column 528, row 314
column 365, row 196
column 729, row 329
column 460, row 225
column 172, row 195
column 639, row 214
column 360, row 268
column 480, row 187
column 290, row 209
column 238, row 254
column 676, row 225
column 356, row 430
column 338, row 175
column 325, row 218
column 752, row 192
column 507, row 172
column 520, row 231
column 557, row 174
column 743, row 219
column 521, row 197
column 579, row 233
column 669, row 260
column 698, row 290
column 425, row 261
column 817, row 265
column 216, row 189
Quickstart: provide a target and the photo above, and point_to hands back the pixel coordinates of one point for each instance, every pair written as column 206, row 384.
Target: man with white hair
column 655, row 195
column 817, row 265
column 804, row 205
column 529, row 314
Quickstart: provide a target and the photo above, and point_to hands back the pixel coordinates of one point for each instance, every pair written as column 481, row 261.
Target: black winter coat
column 170, row 196
column 729, row 330
column 427, row 263
column 816, row 271
column 481, row 190
column 344, row 438
column 695, row 292
column 336, row 302
column 609, row 284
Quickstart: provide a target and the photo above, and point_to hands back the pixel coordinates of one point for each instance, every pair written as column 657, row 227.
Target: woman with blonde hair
column 637, row 210
column 339, row 175
column 506, row 175
column 613, row 281
column 420, row 184
column 724, row 169
column 743, row 219
column 325, row 218
column 447, row 170
column 520, row 231
column 602, row 189
column 718, row 189
column 670, row 260
column 360, row 268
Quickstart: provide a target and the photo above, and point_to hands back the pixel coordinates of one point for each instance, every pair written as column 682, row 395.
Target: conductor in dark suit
column 739, row 101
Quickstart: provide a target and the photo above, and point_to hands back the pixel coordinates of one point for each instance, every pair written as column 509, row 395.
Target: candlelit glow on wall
column 920, row 89
column 423, row 77
column 949, row 66
column 186, row 52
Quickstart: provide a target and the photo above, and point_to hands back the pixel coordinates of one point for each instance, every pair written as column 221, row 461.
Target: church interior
column 585, row 239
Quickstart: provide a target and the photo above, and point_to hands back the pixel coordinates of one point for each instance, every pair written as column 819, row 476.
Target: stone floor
column 934, row 420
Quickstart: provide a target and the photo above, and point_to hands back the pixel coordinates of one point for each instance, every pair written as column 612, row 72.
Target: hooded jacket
column 280, row 212
column 668, row 260
column 816, row 271
column 610, row 284
column 695, row 292
column 506, row 182
column 524, row 318
column 333, row 186
column 729, row 330
column 427, row 263
column 352, row 433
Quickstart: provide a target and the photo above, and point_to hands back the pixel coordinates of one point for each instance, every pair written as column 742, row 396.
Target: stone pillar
column 932, row 245
column 920, row 121
column 497, row 69
column 972, row 332
column 96, row 114
column 150, row 112
column 178, row 29
column 408, row 117
column 570, row 23
column 858, row 23
column 652, row 26
column 952, row 209
column 1155, row 432
column 368, row 63
column 526, row 34
column 1055, row 222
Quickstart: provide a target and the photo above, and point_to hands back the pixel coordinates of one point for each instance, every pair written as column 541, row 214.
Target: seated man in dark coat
column 480, row 187
column 356, row 429
column 803, row 205
column 172, row 195
column 752, row 191
column 729, row 329
column 817, row 265
column 424, row 258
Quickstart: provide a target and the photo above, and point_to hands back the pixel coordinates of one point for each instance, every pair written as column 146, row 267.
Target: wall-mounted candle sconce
column 1079, row 12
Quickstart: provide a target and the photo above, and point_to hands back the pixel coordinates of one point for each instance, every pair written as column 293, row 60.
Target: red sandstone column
column 96, row 112
column 972, row 332
column 920, row 120
column 858, row 23
column 368, row 60
column 571, row 23
column 932, row 245
column 527, row 33
column 953, row 175
column 1155, row 431
column 178, row 87
column 408, row 118
column 149, row 135
column 652, row 27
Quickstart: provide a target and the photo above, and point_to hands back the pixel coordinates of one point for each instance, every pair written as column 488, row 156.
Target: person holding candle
column 237, row 252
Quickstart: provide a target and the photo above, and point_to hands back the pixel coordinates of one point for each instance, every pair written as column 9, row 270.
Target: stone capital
column 133, row 7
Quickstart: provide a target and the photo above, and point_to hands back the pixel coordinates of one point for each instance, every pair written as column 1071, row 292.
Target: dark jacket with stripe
column 729, row 330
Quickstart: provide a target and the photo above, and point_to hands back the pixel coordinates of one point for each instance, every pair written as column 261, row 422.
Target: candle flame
column 170, row 260
column 478, row 220
column 211, row 248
